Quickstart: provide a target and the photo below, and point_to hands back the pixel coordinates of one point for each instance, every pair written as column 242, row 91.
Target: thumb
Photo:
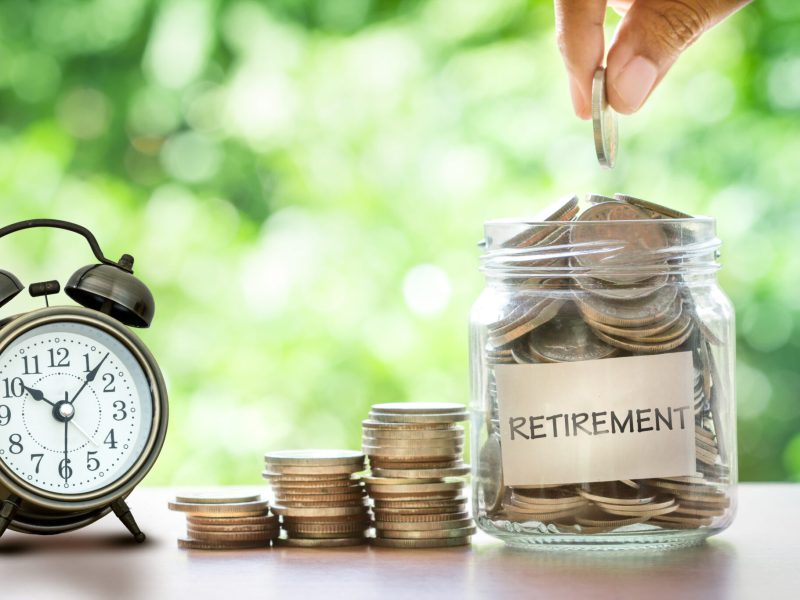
column 649, row 40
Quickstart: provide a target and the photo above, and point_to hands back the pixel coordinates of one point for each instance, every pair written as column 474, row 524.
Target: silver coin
column 604, row 122
column 568, row 338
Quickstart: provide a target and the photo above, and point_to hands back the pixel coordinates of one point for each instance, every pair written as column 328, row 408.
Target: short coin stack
column 225, row 522
column 415, row 452
column 319, row 499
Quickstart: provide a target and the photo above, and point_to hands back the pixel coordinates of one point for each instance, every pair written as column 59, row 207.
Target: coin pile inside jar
column 321, row 501
column 595, row 303
column 218, row 521
column 417, row 490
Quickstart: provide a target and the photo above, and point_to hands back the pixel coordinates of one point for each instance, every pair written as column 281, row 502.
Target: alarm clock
column 83, row 404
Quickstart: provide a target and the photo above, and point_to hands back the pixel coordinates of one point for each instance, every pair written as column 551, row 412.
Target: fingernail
column 634, row 82
column 579, row 103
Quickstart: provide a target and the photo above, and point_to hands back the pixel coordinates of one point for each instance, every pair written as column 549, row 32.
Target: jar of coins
column 602, row 357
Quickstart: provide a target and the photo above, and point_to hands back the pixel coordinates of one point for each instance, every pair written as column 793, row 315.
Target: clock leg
column 124, row 514
column 8, row 509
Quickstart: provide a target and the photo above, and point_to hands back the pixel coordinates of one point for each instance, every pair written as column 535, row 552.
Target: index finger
column 579, row 31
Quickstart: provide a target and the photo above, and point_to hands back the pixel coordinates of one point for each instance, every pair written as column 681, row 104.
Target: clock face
column 76, row 409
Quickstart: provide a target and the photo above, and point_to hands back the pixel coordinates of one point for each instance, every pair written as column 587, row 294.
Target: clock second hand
column 89, row 377
column 79, row 428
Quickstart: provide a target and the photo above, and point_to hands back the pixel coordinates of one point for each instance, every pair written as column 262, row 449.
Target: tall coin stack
column 417, row 488
column 321, row 501
column 225, row 521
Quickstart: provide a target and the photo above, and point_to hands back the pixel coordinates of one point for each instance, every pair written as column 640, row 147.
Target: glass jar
column 602, row 366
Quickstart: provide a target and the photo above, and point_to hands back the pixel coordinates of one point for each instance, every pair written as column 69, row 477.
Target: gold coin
column 453, row 444
column 372, row 481
column 322, row 543
column 328, row 528
column 393, row 517
column 423, row 453
column 415, row 488
column 316, row 458
column 190, row 544
column 429, row 543
column 411, row 435
column 226, row 521
column 340, row 511
column 216, row 498
column 386, row 512
column 421, row 473
column 356, row 490
column 266, row 529
column 382, row 417
column 318, row 535
column 314, row 470
column 422, row 525
column 421, row 503
column 312, row 478
column 427, row 534
column 239, row 509
column 218, row 536
column 287, row 503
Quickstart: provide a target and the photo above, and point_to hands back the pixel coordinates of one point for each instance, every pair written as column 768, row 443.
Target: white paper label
column 597, row 420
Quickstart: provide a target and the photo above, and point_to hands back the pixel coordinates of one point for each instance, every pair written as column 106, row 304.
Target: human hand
column 648, row 40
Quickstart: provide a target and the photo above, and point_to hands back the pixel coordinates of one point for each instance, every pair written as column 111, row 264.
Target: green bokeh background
column 302, row 183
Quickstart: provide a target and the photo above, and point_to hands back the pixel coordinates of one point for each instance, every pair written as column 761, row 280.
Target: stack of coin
column 620, row 299
column 321, row 501
column 218, row 521
column 416, row 487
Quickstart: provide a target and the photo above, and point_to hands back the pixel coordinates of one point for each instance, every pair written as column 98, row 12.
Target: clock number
column 38, row 462
column 64, row 470
column 31, row 361
column 92, row 463
column 109, row 379
column 121, row 413
column 63, row 357
column 15, row 441
column 14, row 388
column 111, row 440
column 5, row 415
column 86, row 358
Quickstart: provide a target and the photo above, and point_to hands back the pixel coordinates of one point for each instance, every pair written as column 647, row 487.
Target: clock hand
column 89, row 377
column 79, row 428
column 37, row 394
column 66, row 450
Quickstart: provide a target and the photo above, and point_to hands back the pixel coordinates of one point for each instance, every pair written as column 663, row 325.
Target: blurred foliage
column 303, row 182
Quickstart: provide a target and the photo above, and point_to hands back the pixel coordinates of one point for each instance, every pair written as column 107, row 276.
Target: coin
column 526, row 322
column 335, row 511
column 567, row 338
column 413, row 435
column 418, row 418
column 369, row 424
column 422, row 452
column 219, row 536
column 424, row 543
column 321, row 542
column 639, row 312
column 190, row 544
column 216, row 498
column 239, row 509
column 604, row 122
column 620, row 242
column 404, row 511
column 426, row 534
column 315, row 470
column 419, row 503
column 310, row 478
column 490, row 474
column 226, row 521
column 656, row 209
column 421, row 473
column 420, row 526
column 390, row 517
column 418, row 408
column 317, row 458
column 531, row 236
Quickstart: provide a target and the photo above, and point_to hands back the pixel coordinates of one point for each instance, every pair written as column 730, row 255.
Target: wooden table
column 758, row 557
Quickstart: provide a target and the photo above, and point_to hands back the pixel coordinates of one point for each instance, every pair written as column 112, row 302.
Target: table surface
column 758, row 555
